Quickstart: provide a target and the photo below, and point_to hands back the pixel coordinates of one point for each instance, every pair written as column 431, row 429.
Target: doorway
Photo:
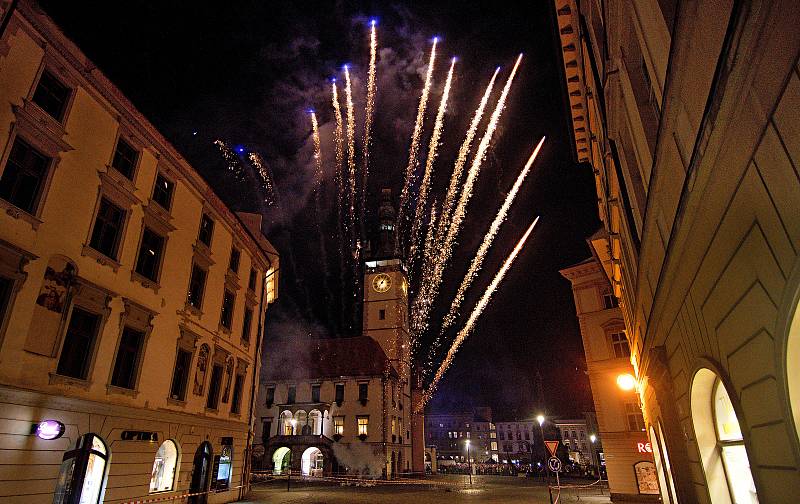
column 201, row 471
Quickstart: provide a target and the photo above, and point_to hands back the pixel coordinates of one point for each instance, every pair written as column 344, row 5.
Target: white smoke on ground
column 360, row 459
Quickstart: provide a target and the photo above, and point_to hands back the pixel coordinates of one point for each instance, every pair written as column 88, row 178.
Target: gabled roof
column 325, row 358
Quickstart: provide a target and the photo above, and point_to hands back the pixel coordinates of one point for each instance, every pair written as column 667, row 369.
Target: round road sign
column 554, row 464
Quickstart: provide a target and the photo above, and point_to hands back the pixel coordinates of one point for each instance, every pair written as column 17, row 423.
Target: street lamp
column 626, row 381
column 469, row 462
column 593, row 438
column 540, row 419
column 289, row 478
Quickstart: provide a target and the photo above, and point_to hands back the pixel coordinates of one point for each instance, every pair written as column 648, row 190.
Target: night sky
column 247, row 72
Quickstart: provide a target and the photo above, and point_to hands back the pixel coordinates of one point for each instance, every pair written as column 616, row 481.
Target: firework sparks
column 338, row 138
column 426, row 178
column 317, row 155
column 461, row 160
column 233, row 160
column 430, row 287
column 477, row 261
column 257, row 161
column 415, row 138
column 476, row 313
column 368, row 113
column 351, row 149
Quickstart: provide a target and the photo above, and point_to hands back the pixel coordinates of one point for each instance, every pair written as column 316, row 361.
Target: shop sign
column 139, row 436
column 644, row 447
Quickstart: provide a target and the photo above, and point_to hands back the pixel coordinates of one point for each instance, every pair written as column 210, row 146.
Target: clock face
column 382, row 282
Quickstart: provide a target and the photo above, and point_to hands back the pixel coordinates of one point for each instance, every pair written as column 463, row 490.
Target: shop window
column 226, row 316
column 83, row 472
column 719, row 439
column 162, row 192
column 248, row 320
column 212, row 401
column 197, row 284
column 78, row 347
column 236, row 256
column 222, row 470
column 107, row 229
column 23, row 179
column 162, row 477
column 126, row 363
column 180, row 376
column 125, row 158
column 151, row 249
column 206, row 230
column 619, row 342
column 51, row 96
column 236, row 402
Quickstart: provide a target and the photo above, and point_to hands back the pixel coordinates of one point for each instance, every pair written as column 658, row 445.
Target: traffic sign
column 552, row 446
column 554, row 464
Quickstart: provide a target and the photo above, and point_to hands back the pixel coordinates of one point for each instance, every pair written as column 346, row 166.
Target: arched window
column 82, row 477
column 286, row 423
column 315, row 421
column 719, row 438
column 162, row 478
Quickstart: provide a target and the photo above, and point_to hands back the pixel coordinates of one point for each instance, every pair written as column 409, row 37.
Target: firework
column 430, row 287
column 270, row 197
column 368, row 113
column 461, row 160
column 476, row 312
column 317, row 154
column 338, row 138
column 233, row 160
column 351, row 149
column 415, row 138
column 426, row 178
column 477, row 261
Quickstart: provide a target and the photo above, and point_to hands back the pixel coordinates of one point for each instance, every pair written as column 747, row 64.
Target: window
column 270, row 396
column 609, row 300
column 127, row 362
column 23, row 178
column 363, row 389
column 502, row 436
column 338, row 425
column 107, row 229
column 248, row 319
column 180, row 376
column 214, row 387
column 527, row 435
column 125, row 158
column 315, row 393
column 363, row 425
column 79, row 341
column 162, row 192
column 226, row 317
column 150, row 251
column 233, row 264
column 197, row 284
column 634, row 416
column 222, row 469
column 251, row 282
column 339, row 392
column 236, row 402
column 83, row 472
column 620, row 345
column 163, row 473
column 51, row 95
column 206, row 230
column 291, row 395
column 382, row 314
column 266, row 430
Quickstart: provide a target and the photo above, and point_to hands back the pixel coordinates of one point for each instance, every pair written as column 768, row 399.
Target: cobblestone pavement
column 455, row 490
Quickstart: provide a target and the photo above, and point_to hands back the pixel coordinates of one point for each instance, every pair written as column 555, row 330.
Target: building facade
column 449, row 432
column 628, row 458
column 577, row 439
column 687, row 112
column 131, row 298
column 347, row 403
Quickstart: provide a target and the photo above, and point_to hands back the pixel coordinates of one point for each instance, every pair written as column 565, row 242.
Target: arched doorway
column 84, row 471
column 312, row 462
column 281, row 460
column 201, row 472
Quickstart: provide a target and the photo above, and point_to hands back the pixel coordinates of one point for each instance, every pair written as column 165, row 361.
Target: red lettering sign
column 644, row 447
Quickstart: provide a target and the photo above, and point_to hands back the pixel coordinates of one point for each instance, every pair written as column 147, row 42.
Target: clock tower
column 386, row 292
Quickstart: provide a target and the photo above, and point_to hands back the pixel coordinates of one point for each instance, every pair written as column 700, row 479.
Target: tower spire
column 387, row 237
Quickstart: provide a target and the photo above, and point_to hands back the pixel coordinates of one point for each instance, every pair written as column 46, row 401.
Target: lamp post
column 289, row 478
column 540, row 420
column 593, row 438
column 469, row 462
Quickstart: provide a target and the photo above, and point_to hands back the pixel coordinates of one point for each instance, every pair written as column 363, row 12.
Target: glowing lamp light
column 626, row 381
column 593, row 438
column 540, row 419
column 49, row 429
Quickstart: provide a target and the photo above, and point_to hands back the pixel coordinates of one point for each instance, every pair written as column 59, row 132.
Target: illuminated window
column 731, row 444
column 222, row 465
column 163, row 473
column 363, row 425
column 82, row 476
column 338, row 425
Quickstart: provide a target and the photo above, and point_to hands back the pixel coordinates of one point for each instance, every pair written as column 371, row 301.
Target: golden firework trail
column 234, row 163
column 477, row 261
column 266, row 178
column 317, row 154
column 369, row 113
column 461, row 160
column 430, row 288
column 476, row 313
column 433, row 146
column 338, row 138
column 430, row 237
column 351, row 150
column 415, row 138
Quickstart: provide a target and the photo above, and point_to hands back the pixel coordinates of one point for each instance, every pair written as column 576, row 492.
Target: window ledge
column 176, row 402
column 232, row 280
column 100, row 257
column 192, row 309
column 146, row 282
column 20, row 214
column 57, row 379
column 113, row 389
column 121, row 179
